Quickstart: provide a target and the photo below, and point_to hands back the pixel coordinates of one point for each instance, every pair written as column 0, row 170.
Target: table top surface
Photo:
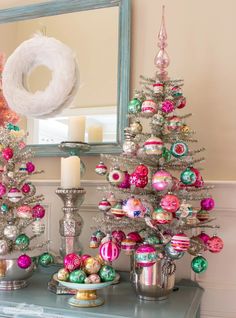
column 120, row 302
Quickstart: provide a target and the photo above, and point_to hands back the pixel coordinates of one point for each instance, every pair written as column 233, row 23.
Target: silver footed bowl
column 12, row 276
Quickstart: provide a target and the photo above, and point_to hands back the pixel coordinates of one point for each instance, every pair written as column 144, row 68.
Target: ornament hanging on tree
column 153, row 146
column 134, row 106
column 128, row 246
column 136, row 127
column 125, row 184
column 142, row 170
column 38, row 211
column 196, row 246
column 199, row 264
column 117, row 210
column 3, row 189
column 149, row 107
column 101, row 169
column 11, row 231
column 170, row 203
column 185, row 210
column 14, row 195
column 204, row 237
column 7, row 153
column 172, row 253
column 116, row 176
column 129, row 146
column 133, row 208
column 158, row 88
column 158, row 119
column 145, row 255
column 153, row 240
column 38, row 227
column 94, row 242
column 99, row 235
column 167, row 106
column 176, row 91
column 118, row 235
column 134, row 236
column 30, row 167
column 181, row 102
column 161, row 216
column 180, row 242
column 174, row 123
column 179, row 149
column 162, row 180
column 188, row 177
column 26, row 188
column 215, row 244
column 104, row 205
column 203, row 215
column 207, row 204
column 22, row 241
column 111, row 199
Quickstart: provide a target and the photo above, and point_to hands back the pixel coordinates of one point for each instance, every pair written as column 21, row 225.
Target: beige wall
column 202, row 48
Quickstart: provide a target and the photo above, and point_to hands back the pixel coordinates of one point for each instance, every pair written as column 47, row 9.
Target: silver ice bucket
column 155, row 282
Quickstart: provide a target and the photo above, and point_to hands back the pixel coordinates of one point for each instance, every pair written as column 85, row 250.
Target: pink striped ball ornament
column 180, row 242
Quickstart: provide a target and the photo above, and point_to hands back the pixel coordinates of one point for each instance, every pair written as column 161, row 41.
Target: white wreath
column 59, row 58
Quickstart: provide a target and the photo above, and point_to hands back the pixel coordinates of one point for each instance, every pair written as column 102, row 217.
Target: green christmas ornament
column 107, row 273
column 77, row 276
column 22, row 241
column 46, row 259
column 152, row 239
column 12, row 127
column 134, row 106
column 166, row 154
column 4, row 208
column 199, row 264
column 188, row 177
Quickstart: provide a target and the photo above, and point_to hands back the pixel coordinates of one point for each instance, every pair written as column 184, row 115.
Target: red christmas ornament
column 135, row 236
column 7, row 153
column 25, row 188
column 142, row 170
column 170, row 203
column 215, row 244
column 141, row 182
column 118, row 235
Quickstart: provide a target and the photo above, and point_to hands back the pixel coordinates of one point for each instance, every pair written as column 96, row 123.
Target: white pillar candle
column 76, row 128
column 70, row 172
column 95, row 133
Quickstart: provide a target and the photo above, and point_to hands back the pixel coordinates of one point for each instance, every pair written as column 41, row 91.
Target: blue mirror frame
column 57, row 7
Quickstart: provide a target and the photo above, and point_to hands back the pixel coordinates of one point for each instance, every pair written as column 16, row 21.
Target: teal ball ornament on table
column 107, row 273
column 77, row 276
column 46, row 259
column 199, row 264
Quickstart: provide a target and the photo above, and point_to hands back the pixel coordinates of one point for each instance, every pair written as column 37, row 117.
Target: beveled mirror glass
column 98, row 31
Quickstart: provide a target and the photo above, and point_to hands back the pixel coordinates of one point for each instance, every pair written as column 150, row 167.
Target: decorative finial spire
column 162, row 60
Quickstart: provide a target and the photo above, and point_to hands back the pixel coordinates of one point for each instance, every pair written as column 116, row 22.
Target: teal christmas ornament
column 134, row 106
column 12, row 127
column 153, row 240
column 77, row 276
column 46, row 259
column 172, row 253
column 4, row 208
column 107, row 273
column 179, row 149
column 199, row 264
column 22, row 241
column 188, row 177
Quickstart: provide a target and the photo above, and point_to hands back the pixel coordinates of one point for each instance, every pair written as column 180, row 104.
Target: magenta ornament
column 101, row 169
column 141, row 182
column 38, row 211
column 3, row 189
column 125, row 184
column 204, row 237
column 24, row 261
column 170, row 203
column 161, row 180
column 180, row 242
column 215, row 244
column 146, row 255
column 30, row 167
column 142, row 170
column 118, row 235
column 135, row 236
column 167, row 106
column 7, row 153
column 207, row 204
column 25, row 188
column 72, row 261
column 109, row 251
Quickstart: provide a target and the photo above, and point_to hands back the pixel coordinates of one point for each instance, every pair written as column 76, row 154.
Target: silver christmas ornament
column 129, row 146
column 136, row 127
column 158, row 119
column 38, row 227
column 3, row 247
column 11, row 232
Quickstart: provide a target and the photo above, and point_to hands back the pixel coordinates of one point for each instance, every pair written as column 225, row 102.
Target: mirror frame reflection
column 64, row 6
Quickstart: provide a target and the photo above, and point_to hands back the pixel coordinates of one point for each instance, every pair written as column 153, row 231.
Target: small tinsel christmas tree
column 154, row 184
column 20, row 210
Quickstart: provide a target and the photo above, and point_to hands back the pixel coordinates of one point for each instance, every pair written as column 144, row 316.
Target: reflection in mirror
column 93, row 36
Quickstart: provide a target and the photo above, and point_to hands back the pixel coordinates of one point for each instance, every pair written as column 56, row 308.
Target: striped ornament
column 180, row 242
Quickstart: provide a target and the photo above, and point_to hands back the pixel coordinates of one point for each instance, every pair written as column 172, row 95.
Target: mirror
column 99, row 34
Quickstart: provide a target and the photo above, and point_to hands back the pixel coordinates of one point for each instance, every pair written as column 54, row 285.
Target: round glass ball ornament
column 158, row 119
column 7, row 153
column 63, row 274
column 38, row 227
column 119, row 235
column 136, row 127
column 176, row 91
column 109, row 251
column 188, row 177
column 215, row 244
column 128, row 246
column 181, row 102
column 158, row 88
column 14, row 195
column 207, row 204
column 180, row 242
column 22, row 241
column 140, row 182
column 162, row 180
column 161, row 216
column 107, row 273
column 196, row 246
column 125, row 184
column 116, row 176
column 179, row 149
column 134, row 106
column 77, row 276
column 72, row 261
column 30, row 167
column 11, row 231
column 153, row 240
column 153, row 146
column 26, row 188
column 101, row 169
column 146, row 255
column 99, row 235
column 4, row 249
column 130, row 147
column 141, row 170
column 93, row 279
column 38, row 211
column 3, row 189
column 83, row 258
column 134, row 236
column 104, row 205
column 94, row 242
column 174, row 123
column 170, row 203
column 199, row 264
column 149, row 107
column 117, row 210
column 172, row 253
column 92, row 265
column 24, row 261
column 204, row 237
column 46, row 259
column 185, row 210
column 167, row 106
column 133, row 207
column 203, row 215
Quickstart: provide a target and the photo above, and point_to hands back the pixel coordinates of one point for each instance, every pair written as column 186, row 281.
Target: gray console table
column 120, row 302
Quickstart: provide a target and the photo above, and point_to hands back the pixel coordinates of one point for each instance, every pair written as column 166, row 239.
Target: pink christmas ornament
column 161, row 216
column 7, row 153
column 149, row 106
column 153, row 146
column 38, row 211
column 24, row 211
column 170, row 203
column 204, row 237
column 125, row 184
column 22, row 145
column 174, row 123
column 133, row 208
column 158, row 88
column 104, row 205
column 162, row 180
column 24, row 261
column 181, row 102
column 25, row 188
column 101, row 168
column 167, row 106
column 3, row 189
column 207, row 204
column 30, row 167
column 146, row 255
column 141, row 182
column 14, row 195
column 109, row 251
column 215, row 244
column 118, row 235
column 128, row 246
column 180, row 242
column 142, row 170
column 134, row 236
column 72, row 261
